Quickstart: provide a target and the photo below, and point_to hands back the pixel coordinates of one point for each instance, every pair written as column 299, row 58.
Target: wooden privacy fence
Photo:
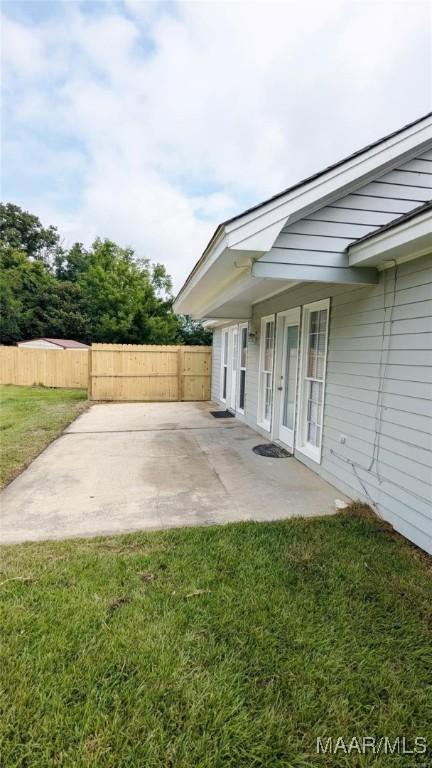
column 149, row 372
column 114, row 371
column 50, row 367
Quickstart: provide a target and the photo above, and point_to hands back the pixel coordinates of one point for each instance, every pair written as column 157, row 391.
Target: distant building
column 45, row 343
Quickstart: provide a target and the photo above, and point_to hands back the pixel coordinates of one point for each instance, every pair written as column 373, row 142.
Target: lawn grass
column 30, row 418
column 233, row 646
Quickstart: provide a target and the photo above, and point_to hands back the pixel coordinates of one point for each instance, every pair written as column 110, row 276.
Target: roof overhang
column 409, row 239
column 226, row 266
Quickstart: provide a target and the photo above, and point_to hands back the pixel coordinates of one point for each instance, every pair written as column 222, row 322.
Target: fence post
column 180, row 366
column 89, row 385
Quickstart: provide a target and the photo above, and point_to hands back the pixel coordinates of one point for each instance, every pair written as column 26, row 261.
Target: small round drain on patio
column 271, row 451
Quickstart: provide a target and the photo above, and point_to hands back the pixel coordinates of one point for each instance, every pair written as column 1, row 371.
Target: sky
column 151, row 122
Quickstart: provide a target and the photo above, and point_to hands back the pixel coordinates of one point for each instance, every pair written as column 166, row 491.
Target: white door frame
column 284, row 320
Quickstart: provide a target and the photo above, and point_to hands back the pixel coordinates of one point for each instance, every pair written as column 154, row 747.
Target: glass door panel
column 290, row 375
column 288, row 331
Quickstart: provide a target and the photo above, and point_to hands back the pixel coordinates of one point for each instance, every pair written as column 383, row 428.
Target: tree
column 23, row 231
column 34, row 303
column 68, row 265
column 192, row 332
column 119, row 294
column 101, row 294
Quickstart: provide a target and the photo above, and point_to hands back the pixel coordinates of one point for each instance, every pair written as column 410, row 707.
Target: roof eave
column 408, row 238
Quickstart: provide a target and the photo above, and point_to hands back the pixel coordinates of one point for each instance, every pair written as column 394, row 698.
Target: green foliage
column 35, row 303
column 192, row 331
column 101, row 294
column 23, row 231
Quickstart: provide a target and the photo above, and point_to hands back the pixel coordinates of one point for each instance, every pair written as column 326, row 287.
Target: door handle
column 280, row 389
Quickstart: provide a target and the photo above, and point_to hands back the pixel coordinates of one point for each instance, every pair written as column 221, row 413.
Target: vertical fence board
column 149, row 372
column 114, row 371
column 48, row 367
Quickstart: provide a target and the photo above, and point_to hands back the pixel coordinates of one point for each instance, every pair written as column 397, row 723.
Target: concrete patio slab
column 125, row 467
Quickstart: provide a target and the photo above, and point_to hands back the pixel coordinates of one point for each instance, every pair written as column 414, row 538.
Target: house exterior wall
column 374, row 351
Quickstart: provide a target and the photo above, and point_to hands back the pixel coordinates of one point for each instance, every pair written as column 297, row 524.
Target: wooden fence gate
column 149, row 373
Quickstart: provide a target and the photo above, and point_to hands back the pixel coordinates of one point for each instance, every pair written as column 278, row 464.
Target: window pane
column 314, row 412
column 225, row 346
column 316, row 345
column 243, row 349
column 323, row 320
column 268, row 345
column 290, row 376
column 242, row 389
column 235, row 351
column 267, row 396
column 266, row 379
column 224, row 385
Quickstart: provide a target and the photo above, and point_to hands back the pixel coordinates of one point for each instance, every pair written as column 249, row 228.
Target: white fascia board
column 314, row 274
column 409, row 239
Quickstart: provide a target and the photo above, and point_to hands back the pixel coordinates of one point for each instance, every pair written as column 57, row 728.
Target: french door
column 288, row 332
column 233, row 367
column 312, row 378
column 265, row 396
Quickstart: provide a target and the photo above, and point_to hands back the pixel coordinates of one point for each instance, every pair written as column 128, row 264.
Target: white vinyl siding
column 322, row 237
column 404, row 495
column 398, row 435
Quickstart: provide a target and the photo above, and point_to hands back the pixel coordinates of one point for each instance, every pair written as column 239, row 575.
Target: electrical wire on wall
column 386, row 334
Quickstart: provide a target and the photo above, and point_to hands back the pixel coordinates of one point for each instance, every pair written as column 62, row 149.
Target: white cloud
column 186, row 115
column 22, row 51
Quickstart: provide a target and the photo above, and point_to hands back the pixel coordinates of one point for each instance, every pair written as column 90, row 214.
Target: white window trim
column 239, row 367
column 265, row 425
column 310, row 451
column 224, row 362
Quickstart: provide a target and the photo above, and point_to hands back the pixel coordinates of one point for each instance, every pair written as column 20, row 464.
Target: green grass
column 213, row 647
column 30, row 418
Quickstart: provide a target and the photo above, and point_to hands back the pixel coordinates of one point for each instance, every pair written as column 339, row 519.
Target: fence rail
column 114, row 371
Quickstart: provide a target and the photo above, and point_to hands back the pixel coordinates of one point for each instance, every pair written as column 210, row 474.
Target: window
column 314, row 351
column 242, row 367
column 266, row 372
column 224, row 372
column 290, row 375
